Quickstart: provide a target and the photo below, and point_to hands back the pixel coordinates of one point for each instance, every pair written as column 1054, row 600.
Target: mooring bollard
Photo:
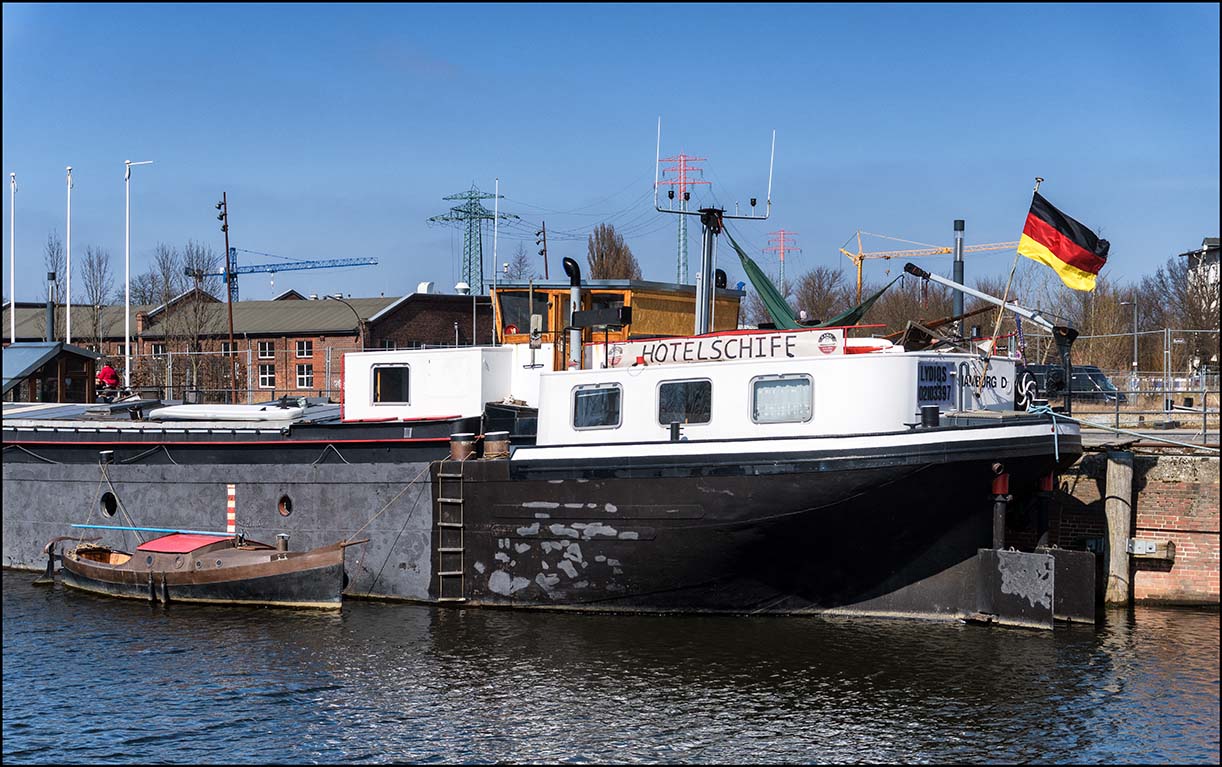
column 1118, row 508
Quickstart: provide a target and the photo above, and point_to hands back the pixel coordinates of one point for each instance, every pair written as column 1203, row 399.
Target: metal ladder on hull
column 450, row 534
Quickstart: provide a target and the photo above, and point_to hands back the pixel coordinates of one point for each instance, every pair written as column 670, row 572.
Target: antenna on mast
column 711, row 222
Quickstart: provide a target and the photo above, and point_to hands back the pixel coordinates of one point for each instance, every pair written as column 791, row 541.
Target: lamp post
column 1133, row 374
column 127, row 271
column 360, row 323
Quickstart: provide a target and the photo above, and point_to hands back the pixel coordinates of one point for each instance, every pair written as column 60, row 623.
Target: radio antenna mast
column 710, row 223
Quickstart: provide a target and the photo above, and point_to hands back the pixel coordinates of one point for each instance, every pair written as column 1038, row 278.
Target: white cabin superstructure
column 825, row 395
column 419, row 384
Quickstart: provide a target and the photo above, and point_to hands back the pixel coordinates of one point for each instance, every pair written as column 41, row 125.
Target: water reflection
column 92, row 679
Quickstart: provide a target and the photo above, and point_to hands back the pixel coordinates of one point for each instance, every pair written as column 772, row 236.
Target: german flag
column 1055, row 239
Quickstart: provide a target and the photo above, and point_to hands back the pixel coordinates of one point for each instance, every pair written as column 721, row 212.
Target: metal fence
column 1182, row 393
column 244, row 377
column 257, row 374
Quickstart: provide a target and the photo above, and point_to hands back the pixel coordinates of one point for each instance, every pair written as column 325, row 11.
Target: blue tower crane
column 285, row 266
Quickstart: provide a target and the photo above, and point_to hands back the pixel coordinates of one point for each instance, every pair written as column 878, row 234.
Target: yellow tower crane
column 929, row 250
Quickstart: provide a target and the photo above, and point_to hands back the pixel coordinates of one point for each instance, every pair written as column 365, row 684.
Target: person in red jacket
column 107, row 377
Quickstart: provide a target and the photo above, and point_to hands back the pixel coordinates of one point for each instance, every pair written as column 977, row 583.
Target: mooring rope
column 119, row 502
column 391, row 501
column 323, row 454
column 36, row 455
column 150, row 451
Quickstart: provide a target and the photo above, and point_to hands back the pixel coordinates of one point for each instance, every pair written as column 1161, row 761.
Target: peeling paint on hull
column 799, row 537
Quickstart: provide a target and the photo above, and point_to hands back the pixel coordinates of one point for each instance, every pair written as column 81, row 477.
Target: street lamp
column 360, row 323
column 1133, row 376
column 127, row 271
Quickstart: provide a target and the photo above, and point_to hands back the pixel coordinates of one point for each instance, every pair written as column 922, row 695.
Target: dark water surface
column 90, row 679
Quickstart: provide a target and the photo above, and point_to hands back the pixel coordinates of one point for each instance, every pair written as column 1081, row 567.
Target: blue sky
column 336, row 130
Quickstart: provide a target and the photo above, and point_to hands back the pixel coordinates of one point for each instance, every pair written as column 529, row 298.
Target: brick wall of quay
column 1175, row 498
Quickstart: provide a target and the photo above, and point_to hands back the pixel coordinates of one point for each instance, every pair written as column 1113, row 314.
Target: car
column 1087, row 383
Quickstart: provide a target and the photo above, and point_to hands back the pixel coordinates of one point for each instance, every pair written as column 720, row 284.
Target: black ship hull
column 317, row 483
column 885, row 526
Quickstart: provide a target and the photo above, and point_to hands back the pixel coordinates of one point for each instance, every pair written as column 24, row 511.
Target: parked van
column 1087, row 384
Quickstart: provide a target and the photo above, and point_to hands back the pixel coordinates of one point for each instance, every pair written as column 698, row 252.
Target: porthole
column 109, row 504
column 199, row 564
column 285, row 506
column 149, row 560
column 178, row 563
column 218, row 563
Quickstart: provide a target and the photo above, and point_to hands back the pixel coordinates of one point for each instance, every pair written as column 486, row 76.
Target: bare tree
column 609, row 256
column 97, row 283
column 197, row 315
column 822, row 293
column 520, row 267
column 909, row 299
column 1176, row 297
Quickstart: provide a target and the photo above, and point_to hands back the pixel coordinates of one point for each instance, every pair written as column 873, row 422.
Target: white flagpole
column 127, row 272
column 68, row 302
column 12, row 260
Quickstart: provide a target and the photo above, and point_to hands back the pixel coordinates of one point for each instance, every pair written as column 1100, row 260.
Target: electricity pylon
column 471, row 214
column 682, row 168
column 779, row 243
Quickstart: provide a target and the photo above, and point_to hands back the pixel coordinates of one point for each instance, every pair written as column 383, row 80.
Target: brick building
column 291, row 345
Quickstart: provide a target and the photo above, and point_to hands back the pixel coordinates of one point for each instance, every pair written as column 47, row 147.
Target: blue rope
column 1056, row 441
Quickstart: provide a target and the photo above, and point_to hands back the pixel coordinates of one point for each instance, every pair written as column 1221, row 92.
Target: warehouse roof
column 314, row 317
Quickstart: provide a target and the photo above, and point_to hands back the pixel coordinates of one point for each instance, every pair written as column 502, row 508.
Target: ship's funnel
column 572, row 269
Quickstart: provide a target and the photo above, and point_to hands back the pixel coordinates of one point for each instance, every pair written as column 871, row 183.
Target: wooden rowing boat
column 197, row 567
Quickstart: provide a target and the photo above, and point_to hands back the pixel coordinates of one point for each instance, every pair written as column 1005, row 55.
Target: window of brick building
column 267, row 376
column 305, row 376
column 267, row 350
column 305, row 349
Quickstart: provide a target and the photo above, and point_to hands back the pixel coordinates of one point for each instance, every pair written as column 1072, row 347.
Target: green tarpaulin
column 778, row 308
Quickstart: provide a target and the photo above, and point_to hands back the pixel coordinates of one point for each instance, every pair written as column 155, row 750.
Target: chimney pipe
column 574, row 272
column 957, row 296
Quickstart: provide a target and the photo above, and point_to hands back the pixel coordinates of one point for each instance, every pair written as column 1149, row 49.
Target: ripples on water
column 90, row 679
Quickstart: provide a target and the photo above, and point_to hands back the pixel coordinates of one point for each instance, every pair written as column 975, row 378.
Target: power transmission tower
column 779, row 243
column 471, row 214
column 682, row 168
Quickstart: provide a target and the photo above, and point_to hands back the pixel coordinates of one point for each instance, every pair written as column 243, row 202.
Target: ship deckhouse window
column 390, row 384
column 516, row 309
column 782, row 399
column 597, row 407
column 685, row 402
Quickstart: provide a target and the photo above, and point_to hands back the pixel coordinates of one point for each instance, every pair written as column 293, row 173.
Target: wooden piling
column 1118, row 507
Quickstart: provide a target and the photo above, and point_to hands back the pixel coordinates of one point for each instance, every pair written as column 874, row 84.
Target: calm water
column 87, row 679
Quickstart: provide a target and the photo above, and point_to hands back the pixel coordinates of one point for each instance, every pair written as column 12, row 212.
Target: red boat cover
column 179, row 543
